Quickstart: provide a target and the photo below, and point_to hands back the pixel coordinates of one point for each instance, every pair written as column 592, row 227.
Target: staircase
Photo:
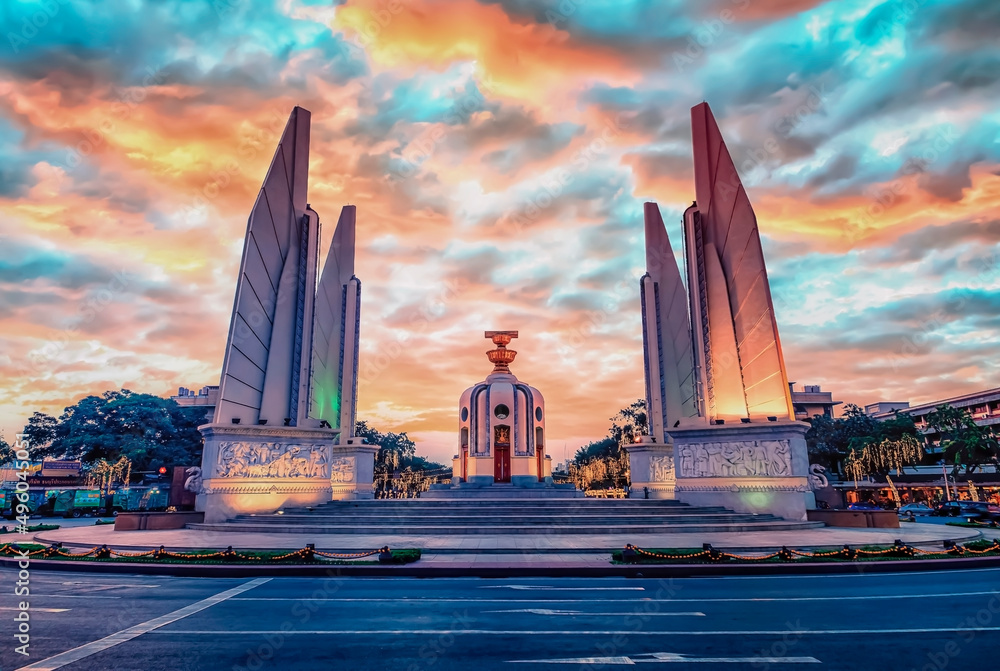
column 417, row 517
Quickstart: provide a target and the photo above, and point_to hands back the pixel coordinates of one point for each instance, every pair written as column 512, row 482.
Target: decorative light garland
column 900, row 549
column 104, row 552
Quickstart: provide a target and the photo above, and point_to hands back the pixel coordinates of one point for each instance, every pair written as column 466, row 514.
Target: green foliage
column 604, row 463
column 399, row 472
column 150, row 431
column 966, row 444
column 830, row 440
column 39, row 433
column 7, row 453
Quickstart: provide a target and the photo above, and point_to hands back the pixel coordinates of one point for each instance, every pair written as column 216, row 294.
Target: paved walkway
column 506, row 549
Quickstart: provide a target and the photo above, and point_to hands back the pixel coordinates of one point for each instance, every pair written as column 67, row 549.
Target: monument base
column 352, row 470
column 760, row 467
column 651, row 469
column 261, row 469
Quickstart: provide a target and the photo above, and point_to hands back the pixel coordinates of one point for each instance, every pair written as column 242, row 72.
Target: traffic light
column 162, row 470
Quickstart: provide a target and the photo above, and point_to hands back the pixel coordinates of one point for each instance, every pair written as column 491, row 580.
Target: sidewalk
column 505, row 548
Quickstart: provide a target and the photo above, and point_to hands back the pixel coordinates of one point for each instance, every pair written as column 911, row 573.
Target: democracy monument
column 712, row 356
column 721, row 427
column 282, row 430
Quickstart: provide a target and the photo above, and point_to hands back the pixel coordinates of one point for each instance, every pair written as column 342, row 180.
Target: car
column 863, row 506
column 972, row 510
column 915, row 509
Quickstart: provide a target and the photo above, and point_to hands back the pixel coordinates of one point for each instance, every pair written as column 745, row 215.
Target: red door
column 541, row 462
column 465, row 463
column 501, row 464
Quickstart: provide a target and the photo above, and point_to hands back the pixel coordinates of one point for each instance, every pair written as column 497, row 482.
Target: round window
column 538, row 414
column 501, row 411
column 465, row 414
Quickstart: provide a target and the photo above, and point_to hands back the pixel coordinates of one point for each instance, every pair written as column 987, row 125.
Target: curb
column 522, row 571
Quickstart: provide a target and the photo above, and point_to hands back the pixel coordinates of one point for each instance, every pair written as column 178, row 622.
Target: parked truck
column 77, row 502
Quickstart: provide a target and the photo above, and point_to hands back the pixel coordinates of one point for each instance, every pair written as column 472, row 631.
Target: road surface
column 858, row 621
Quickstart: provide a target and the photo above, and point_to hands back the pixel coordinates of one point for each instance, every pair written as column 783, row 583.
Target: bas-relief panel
column 747, row 458
column 342, row 469
column 271, row 460
column 661, row 468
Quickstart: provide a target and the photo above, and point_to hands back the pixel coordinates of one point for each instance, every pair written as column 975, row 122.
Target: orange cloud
column 526, row 61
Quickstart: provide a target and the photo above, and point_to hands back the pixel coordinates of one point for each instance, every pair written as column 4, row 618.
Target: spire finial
column 501, row 357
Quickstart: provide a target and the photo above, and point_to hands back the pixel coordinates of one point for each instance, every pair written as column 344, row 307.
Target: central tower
column 501, row 426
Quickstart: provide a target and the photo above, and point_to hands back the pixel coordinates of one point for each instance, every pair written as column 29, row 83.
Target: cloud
column 498, row 152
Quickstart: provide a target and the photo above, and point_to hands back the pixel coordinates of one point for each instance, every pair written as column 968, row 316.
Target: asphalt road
column 858, row 621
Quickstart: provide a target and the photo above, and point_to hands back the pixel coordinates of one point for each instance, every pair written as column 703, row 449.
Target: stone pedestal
column 761, row 467
column 259, row 469
column 352, row 470
column 651, row 468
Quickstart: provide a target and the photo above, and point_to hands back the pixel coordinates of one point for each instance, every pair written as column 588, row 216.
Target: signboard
column 61, row 469
column 39, row 481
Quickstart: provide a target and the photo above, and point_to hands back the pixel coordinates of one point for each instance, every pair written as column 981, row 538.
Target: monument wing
column 335, row 337
column 260, row 352
column 729, row 230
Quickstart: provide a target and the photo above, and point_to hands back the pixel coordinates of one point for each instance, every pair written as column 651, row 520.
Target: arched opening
column 540, row 452
column 464, row 455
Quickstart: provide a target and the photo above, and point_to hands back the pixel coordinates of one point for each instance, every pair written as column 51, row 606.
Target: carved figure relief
column 271, row 460
column 661, row 468
column 746, row 458
column 342, row 469
column 501, row 436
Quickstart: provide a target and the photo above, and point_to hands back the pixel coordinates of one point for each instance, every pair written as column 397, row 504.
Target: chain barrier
column 847, row 553
column 104, row 552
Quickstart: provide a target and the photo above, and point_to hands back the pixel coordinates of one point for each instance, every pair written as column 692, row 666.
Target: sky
column 498, row 153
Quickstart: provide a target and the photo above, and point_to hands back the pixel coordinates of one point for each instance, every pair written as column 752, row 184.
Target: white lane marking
column 667, row 658
column 418, row 599
column 38, row 610
column 567, row 589
column 91, row 587
column 535, row 632
column 546, row 611
column 94, row 647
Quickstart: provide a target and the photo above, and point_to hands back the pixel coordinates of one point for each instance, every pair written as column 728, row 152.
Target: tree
column 604, row 463
column 7, row 453
column 630, row 423
column 831, row 441
column 399, row 472
column 150, row 431
column 881, row 458
column 965, row 444
column 39, row 433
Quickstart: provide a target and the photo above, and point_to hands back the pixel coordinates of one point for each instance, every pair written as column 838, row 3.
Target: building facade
column 812, row 401
column 207, row 397
column 983, row 405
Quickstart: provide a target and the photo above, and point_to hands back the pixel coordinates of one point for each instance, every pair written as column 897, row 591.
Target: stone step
column 496, row 519
column 431, row 531
column 480, row 504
